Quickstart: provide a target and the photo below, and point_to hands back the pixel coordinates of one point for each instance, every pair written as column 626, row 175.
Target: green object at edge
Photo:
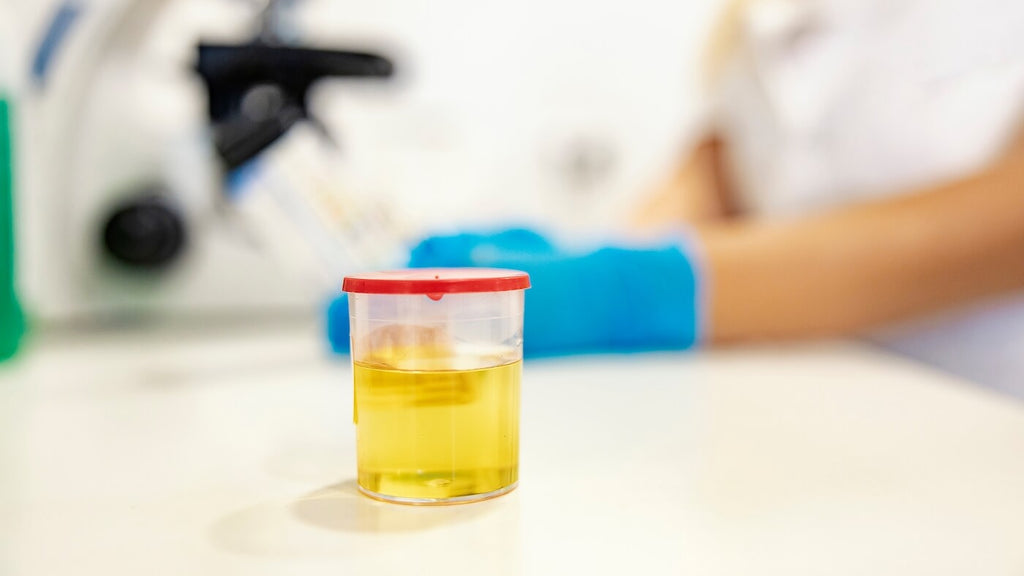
column 11, row 321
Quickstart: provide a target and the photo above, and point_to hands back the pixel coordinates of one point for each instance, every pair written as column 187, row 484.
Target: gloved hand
column 611, row 299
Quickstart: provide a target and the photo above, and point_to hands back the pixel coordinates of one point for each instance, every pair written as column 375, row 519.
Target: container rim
column 437, row 281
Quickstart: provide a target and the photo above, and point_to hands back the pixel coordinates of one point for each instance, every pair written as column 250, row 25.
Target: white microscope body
column 116, row 146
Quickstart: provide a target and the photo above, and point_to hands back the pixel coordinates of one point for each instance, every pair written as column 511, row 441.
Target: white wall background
column 497, row 100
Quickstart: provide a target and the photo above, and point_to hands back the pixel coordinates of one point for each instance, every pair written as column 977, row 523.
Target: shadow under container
column 437, row 363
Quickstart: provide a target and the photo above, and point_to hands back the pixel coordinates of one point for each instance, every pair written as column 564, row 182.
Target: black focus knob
column 147, row 234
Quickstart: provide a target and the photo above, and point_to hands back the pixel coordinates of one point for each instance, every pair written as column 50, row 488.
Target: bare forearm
column 856, row 268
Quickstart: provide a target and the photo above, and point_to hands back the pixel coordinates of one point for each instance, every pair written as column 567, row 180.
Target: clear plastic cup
column 437, row 362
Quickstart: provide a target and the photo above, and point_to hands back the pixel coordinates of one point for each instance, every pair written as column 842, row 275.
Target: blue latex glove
column 612, row 299
column 338, row 325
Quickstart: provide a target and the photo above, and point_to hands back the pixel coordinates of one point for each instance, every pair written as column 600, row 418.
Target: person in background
column 862, row 167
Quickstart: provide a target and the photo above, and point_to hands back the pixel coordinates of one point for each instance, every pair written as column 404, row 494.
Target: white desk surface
column 234, row 454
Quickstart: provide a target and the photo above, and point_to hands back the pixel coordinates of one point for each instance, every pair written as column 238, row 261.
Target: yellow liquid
column 434, row 435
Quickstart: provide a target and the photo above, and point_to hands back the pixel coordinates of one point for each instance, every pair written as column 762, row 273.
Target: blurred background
column 845, row 166
column 136, row 198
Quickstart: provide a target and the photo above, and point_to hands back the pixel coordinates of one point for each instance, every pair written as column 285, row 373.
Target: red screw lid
column 437, row 281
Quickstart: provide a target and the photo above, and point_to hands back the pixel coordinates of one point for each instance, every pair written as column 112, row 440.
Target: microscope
column 138, row 126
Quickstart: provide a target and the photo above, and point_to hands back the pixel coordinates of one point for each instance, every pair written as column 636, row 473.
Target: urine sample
column 437, row 364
